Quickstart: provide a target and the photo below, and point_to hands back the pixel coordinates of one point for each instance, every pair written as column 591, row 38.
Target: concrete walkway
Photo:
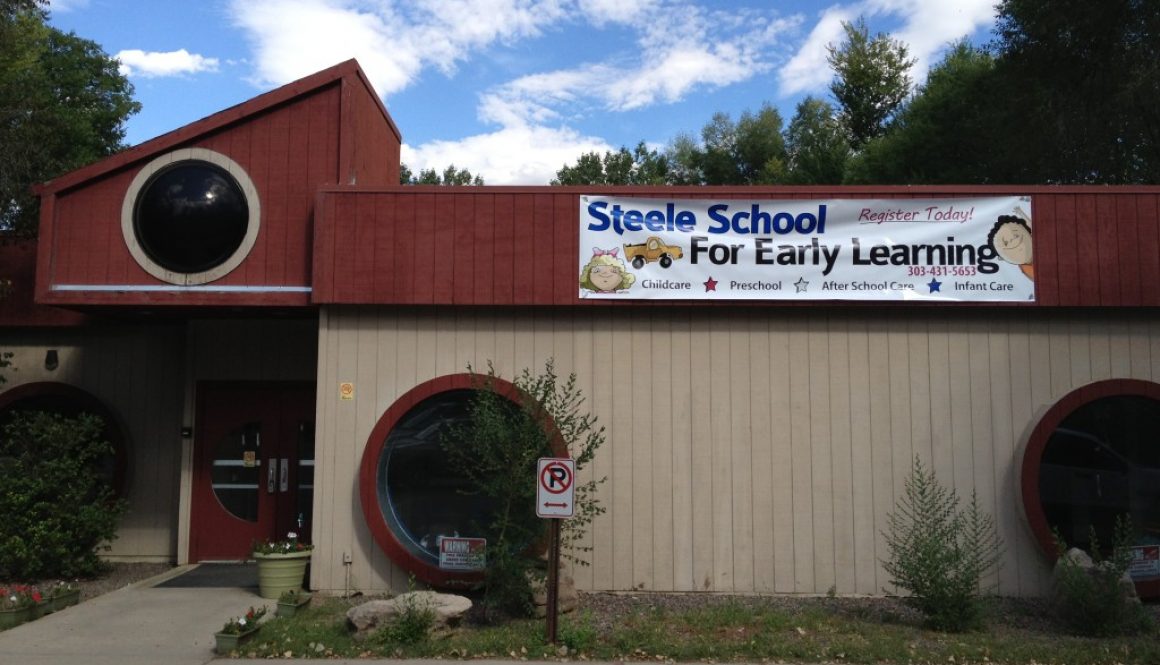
column 134, row 625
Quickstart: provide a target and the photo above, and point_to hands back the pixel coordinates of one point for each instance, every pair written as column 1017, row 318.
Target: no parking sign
column 555, row 487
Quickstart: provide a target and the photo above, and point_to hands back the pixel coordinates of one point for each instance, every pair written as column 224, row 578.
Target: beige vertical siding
column 748, row 450
column 137, row 373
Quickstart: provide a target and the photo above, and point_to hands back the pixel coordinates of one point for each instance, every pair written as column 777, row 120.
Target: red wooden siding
column 1094, row 246
column 18, row 266
column 324, row 130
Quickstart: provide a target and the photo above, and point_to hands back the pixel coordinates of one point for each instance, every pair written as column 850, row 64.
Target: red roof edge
column 347, row 70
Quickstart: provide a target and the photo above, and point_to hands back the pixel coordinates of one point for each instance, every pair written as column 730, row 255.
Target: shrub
column 411, row 625
column 939, row 552
column 58, row 509
column 497, row 451
column 1093, row 601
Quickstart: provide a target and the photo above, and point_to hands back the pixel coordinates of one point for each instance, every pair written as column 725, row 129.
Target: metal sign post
column 555, row 498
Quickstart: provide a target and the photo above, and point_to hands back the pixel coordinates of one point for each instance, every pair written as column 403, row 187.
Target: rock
column 567, row 600
column 448, row 609
column 1081, row 560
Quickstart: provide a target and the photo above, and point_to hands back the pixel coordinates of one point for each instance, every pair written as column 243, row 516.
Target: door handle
column 271, row 470
column 284, row 478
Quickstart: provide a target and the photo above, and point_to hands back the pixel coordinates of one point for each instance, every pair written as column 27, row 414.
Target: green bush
column 411, row 625
column 1093, row 601
column 940, row 553
column 497, row 451
column 57, row 508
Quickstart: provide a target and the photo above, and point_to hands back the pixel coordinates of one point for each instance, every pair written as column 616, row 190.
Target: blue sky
column 510, row 89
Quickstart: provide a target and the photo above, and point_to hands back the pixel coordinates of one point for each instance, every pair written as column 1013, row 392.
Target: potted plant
column 291, row 601
column 62, row 595
column 17, row 605
column 281, row 565
column 238, row 630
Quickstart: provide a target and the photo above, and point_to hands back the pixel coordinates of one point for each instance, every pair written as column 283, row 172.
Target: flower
column 291, row 544
column 61, row 589
column 19, row 595
column 244, row 623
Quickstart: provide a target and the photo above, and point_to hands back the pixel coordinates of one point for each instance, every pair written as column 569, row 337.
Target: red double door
column 253, row 473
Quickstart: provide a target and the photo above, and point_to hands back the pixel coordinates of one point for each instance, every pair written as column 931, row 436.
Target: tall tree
column 1080, row 88
column 950, row 131
column 63, row 104
column 871, row 80
column 642, row 166
column 449, row 176
column 816, row 144
column 750, row 151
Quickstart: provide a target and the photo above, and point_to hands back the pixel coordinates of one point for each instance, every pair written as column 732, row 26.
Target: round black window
column 1102, row 463
column 191, row 217
column 421, row 495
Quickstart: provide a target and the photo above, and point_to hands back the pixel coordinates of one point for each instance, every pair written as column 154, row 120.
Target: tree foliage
column 449, row 176
column 871, row 80
column 63, row 104
column 1079, row 87
column 816, row 145
column 947, row 133
column 497, row 449
column 58, row 507
column 641, row 166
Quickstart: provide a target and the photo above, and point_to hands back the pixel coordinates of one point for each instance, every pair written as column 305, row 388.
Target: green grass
column 730, row 631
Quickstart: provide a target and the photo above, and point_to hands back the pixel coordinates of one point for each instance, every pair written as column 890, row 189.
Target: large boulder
column 448, row 610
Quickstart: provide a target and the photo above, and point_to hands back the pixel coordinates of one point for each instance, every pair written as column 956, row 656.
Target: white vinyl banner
column 976, row 249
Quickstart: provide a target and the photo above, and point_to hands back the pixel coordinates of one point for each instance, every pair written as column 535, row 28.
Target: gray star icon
column 802, row 285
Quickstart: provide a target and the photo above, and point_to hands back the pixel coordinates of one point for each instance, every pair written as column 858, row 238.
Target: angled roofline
column 342, row 72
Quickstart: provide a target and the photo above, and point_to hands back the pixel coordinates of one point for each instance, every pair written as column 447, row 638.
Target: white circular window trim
column 217, row 272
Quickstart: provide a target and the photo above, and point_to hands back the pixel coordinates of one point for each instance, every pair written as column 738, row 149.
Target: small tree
column 497, row 449
column 58, row 508
column 939, row 552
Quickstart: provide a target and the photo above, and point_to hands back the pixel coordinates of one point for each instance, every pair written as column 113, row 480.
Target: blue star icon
column 934, row 285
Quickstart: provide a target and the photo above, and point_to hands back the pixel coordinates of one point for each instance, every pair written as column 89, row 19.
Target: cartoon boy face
column 1012, row 241
column 605, row 277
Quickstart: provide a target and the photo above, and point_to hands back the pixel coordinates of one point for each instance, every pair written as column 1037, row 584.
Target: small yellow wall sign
column 346, row 390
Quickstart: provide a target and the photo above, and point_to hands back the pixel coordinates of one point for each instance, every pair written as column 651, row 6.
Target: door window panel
column 237, row 471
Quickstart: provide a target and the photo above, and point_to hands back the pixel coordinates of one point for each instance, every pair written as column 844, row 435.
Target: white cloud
column 153, row 64
column 523, row 155
column 63, row 6
column 675, row 48
column 926, row 28
column 392, row 41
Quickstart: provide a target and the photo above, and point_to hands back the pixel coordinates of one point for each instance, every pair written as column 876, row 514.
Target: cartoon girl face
column 605, row 273
column 1011, row 238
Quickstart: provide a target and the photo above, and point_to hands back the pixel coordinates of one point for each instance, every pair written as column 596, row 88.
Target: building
column 264, row 370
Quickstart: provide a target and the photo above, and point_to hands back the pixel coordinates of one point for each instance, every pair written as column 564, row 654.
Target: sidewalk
column 130, row 626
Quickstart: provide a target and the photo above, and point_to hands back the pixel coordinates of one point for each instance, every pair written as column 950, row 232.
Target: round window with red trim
column 66, row 400
column 411, row 493
column 1093, row 459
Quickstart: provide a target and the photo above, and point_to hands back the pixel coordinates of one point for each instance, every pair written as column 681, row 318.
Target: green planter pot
column 278, row 573
column 290, row 609
column 15, row 617
column 224, row 643
column 63, row 600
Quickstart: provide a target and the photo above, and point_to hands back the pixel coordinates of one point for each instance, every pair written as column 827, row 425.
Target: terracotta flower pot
column 278, row 573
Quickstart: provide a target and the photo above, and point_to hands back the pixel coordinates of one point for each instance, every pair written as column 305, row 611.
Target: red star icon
column 710, row 285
